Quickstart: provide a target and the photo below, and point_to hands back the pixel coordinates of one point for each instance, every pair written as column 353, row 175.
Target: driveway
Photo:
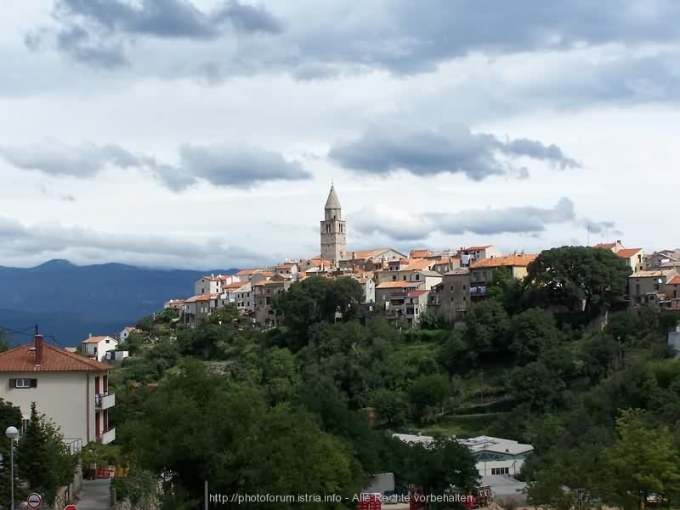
column 95, row 495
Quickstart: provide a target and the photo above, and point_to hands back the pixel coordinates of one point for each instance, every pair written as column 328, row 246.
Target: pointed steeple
column 333, row 203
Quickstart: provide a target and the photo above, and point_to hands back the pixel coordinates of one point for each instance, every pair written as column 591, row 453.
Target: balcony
column 104, row 400
column 107, row 437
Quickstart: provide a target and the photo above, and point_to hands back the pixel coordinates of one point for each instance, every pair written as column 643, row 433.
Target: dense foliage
column 554, row 360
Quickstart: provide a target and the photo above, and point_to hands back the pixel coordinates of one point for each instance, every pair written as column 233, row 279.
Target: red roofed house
column 634, row 256
column 69, row 389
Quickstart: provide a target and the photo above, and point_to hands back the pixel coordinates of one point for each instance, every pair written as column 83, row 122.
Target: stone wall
column 67, row 494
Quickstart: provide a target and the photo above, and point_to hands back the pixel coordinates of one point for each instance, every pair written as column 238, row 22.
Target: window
column 23, row 383
column 417, row 277
column 24, row 424
column 500, row 471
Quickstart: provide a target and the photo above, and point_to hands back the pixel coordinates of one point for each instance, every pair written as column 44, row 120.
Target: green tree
column 572, row 275
column 10, row 416
column 433, row 469
column 42, row 458
column 228, row 434
column 4, row 340
column 532, row 333
column 645, row 459
column 391, row 406
column 316, row 300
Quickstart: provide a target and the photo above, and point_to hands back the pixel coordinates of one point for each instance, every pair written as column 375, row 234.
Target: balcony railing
column 107, row 437
column 104, row 400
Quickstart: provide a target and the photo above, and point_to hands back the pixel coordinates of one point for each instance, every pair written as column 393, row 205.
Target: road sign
column 70, row 507
column 34, row 500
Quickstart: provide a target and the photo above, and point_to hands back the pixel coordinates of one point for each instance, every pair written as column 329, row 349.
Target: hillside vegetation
column 556, row 361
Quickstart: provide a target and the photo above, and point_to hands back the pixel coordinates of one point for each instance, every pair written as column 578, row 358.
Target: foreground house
column 70, row 389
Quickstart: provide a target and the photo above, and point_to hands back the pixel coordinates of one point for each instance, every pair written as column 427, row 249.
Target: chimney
column 38, row 349
column 90, row 335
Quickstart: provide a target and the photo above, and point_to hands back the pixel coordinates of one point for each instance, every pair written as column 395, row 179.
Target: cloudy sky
column 206, row 133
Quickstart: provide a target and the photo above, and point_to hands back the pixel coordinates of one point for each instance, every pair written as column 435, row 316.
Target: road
column 95, row 495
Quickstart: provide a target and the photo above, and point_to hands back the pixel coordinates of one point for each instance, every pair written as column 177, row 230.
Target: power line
column 24, row 331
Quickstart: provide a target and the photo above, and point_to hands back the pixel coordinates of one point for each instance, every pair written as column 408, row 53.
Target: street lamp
column 12, row 433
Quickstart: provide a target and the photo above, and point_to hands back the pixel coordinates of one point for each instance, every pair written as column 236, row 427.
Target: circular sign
column 34, row 500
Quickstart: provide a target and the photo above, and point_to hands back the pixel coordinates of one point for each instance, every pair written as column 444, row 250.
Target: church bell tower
column 333, row 230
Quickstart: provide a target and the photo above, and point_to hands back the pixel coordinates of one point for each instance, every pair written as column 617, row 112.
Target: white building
column 96, row 347
column 213, row 284
column 69, row 389
column 494, row 456
column 126, row 333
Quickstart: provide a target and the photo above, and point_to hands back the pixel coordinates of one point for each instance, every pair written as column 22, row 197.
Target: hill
column 70, row 301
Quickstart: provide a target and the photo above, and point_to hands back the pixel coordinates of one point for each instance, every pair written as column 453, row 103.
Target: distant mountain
column 70, row 301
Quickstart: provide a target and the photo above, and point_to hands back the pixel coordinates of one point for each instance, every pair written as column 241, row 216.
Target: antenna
column 588, row 237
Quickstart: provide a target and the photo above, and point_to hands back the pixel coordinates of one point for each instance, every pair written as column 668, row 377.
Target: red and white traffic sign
column 34, row 500
column 70, row 507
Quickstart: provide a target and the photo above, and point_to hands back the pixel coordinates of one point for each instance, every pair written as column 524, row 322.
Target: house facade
column 96, row 347
column 69, row 389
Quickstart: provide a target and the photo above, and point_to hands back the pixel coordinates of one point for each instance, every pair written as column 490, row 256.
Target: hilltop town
column 404, row 286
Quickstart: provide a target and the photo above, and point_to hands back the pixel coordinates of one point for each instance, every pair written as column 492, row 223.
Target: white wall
column 514, row 466
column 64, row 397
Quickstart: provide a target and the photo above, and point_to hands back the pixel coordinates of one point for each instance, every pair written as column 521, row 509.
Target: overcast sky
column 206, row 134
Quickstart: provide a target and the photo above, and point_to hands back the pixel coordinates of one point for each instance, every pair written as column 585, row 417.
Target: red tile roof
column 627, row 253
column 477, row 248
column 505, row 261
column 674, row 281
column 54, row 359
column 97, row 339
column 417, row 293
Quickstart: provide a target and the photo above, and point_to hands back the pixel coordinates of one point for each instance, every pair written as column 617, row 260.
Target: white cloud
column 609, row 104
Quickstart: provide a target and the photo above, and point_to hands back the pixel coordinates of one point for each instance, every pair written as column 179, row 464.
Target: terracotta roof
column 420, row 254
column 235, row 285
column 268, row 274
column 130, row 328
column 201, row 297
column 627, row 253
column 97, row 339
column 417, row 265
column 478, row 248
column 674, row 281
column 505, row 261
column 443, row 260
column 247, row 272
column 22, row 359
column 652, row 273
column 394, row 285
column 606, row 246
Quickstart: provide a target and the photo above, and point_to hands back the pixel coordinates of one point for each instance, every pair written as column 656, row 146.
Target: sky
column 206, row 134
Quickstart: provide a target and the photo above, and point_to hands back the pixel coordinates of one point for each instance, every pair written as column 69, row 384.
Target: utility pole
column 36, row 329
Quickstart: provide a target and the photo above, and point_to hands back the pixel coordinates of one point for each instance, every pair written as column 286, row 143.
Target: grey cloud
column 520, row 220
column 401, row 36
column 386, row 149
column 98, row 32
column 220, row 165
column 49, row 240
column 411, row 37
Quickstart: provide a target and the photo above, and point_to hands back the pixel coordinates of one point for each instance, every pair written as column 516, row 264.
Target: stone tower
column 333, row 230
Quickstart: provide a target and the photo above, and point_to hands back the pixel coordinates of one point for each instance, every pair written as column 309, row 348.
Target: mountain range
column 69, row 302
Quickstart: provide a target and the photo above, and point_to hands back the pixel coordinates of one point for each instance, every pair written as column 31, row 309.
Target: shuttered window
column 23, row 383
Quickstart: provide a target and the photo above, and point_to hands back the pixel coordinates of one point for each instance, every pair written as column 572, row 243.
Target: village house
column 635, row 257
column 199, row 306
column 213, row 284
column 652, row 287
column 126, row 333
column 174, row 304
column 70, row 389
column 450, row 299
column 240, row 294
column 96, row 347
column 473, row 254
column 483, row 271
column 264, row 293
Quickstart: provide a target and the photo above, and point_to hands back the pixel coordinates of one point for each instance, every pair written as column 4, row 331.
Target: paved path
column 95, row 495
